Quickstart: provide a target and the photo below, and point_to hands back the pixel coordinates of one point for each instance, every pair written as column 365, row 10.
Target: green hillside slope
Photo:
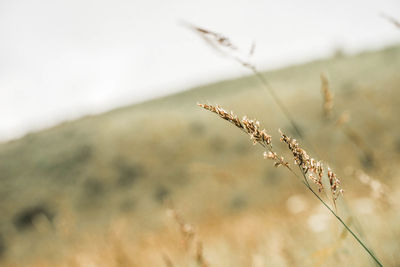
column 128, row 161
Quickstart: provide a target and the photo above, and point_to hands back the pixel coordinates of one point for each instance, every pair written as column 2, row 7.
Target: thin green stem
column 307, row 184
column 281, row 106
column 342, row 222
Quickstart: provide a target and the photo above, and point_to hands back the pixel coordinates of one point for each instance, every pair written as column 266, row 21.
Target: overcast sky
column 61, row 59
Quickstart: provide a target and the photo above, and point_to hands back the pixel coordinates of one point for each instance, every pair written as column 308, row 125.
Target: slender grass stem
column 307, row 184
column 282, row 107
column 302, row 160
column 276, row 99
column 341, row 221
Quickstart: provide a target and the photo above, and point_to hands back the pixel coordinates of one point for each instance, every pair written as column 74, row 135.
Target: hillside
column 83, row 177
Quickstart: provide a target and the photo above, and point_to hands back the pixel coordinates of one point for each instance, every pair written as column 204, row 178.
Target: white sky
column 61, row 59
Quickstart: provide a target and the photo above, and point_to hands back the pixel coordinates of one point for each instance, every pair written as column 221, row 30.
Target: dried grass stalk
column 368, row 159
column 392, row 20
column 312, row 168
column 188, row 238
column 223, row 45
column 327, row 95
column 252, row 128
column 309, row 167
column 185, row 229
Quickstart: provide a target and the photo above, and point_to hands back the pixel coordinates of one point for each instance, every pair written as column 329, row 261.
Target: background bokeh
column 144, row 177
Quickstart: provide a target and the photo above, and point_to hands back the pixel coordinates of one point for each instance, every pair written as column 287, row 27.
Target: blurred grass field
column 94, row 192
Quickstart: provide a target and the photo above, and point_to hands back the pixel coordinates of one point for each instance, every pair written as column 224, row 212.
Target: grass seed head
column 328, row 96
column 310, row 167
